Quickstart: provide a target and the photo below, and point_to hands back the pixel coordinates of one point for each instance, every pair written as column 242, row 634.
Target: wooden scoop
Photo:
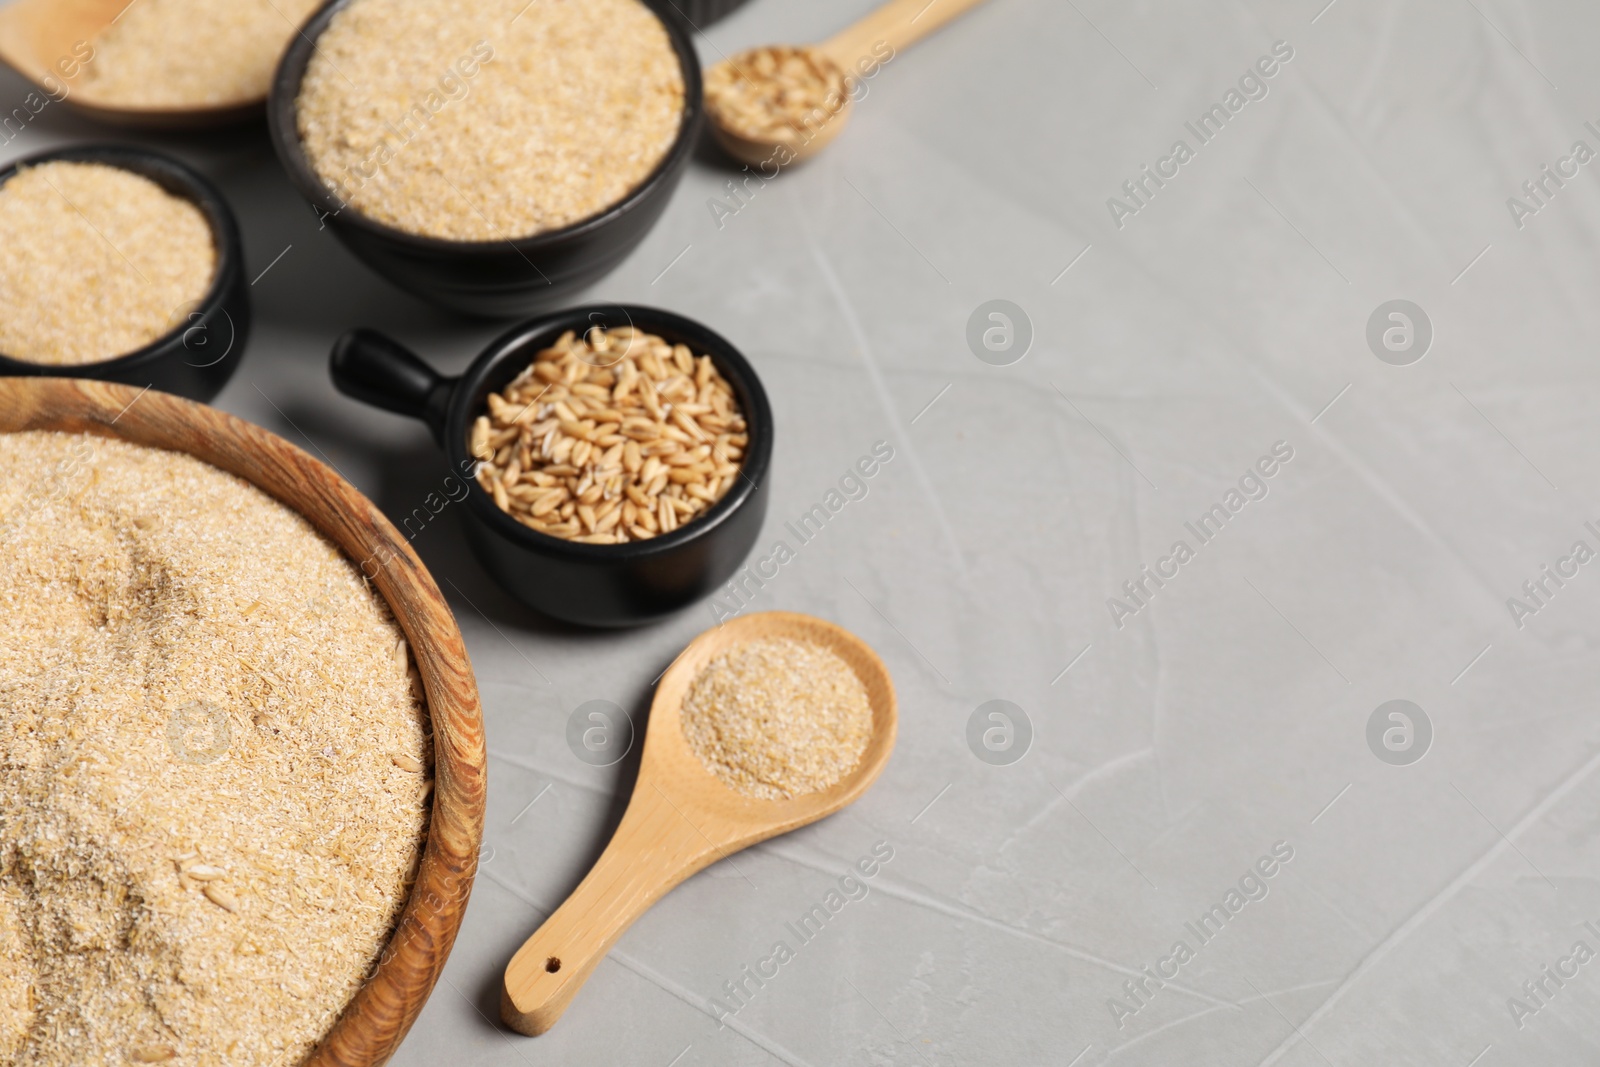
column 49, row 42
column 681, row 819
column 888, row 31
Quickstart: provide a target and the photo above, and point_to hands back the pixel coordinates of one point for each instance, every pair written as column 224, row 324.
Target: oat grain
column 594, row 442
column 778, row 93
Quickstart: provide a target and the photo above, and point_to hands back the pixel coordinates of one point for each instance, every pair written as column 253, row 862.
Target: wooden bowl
column 377, row 1018
column 43, row 40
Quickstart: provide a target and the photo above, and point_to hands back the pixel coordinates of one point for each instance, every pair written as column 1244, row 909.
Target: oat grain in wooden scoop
column 779, row 93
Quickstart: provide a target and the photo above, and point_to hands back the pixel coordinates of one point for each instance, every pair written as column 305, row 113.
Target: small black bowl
column 596, row 585
column 198, row 357
column 499, row 278
column 701, row 13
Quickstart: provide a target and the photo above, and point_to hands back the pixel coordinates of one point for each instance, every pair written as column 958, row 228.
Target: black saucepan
column 596, row 585
column 701, row 13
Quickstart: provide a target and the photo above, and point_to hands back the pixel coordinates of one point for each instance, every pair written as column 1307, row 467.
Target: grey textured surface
column 1227, row 713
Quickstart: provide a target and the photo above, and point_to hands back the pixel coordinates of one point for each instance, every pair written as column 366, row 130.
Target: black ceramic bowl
column 491, row 278
column 596, row 585
column 701, row 13
column 198, row 357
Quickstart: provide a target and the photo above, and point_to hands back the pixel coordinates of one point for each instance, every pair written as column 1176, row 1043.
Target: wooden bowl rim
column 377, row 1018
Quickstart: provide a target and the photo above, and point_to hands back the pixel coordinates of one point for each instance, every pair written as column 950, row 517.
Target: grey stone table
column 1199, row 506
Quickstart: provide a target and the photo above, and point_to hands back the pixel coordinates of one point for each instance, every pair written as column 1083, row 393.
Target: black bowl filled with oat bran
column 615, row 481
column 121, row 265
column 491, row 156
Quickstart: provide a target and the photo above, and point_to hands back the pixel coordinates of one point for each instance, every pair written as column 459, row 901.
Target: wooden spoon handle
column 899, row 24
column 655, row 847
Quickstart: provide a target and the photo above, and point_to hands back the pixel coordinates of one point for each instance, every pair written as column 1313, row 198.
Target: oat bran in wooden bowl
column 137, row 584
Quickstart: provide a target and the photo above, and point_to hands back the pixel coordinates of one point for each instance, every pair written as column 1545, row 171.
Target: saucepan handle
column 378, row 370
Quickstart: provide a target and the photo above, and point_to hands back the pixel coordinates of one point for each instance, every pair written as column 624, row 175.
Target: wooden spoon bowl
column 852, row 53
column 682, row 818
column 383, row 1009
column 46, row 41
column 805, row 139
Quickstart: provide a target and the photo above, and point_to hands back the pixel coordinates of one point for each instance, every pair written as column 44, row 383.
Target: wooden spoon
column 50, row 42
column 681, row 819
column 843, row 58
